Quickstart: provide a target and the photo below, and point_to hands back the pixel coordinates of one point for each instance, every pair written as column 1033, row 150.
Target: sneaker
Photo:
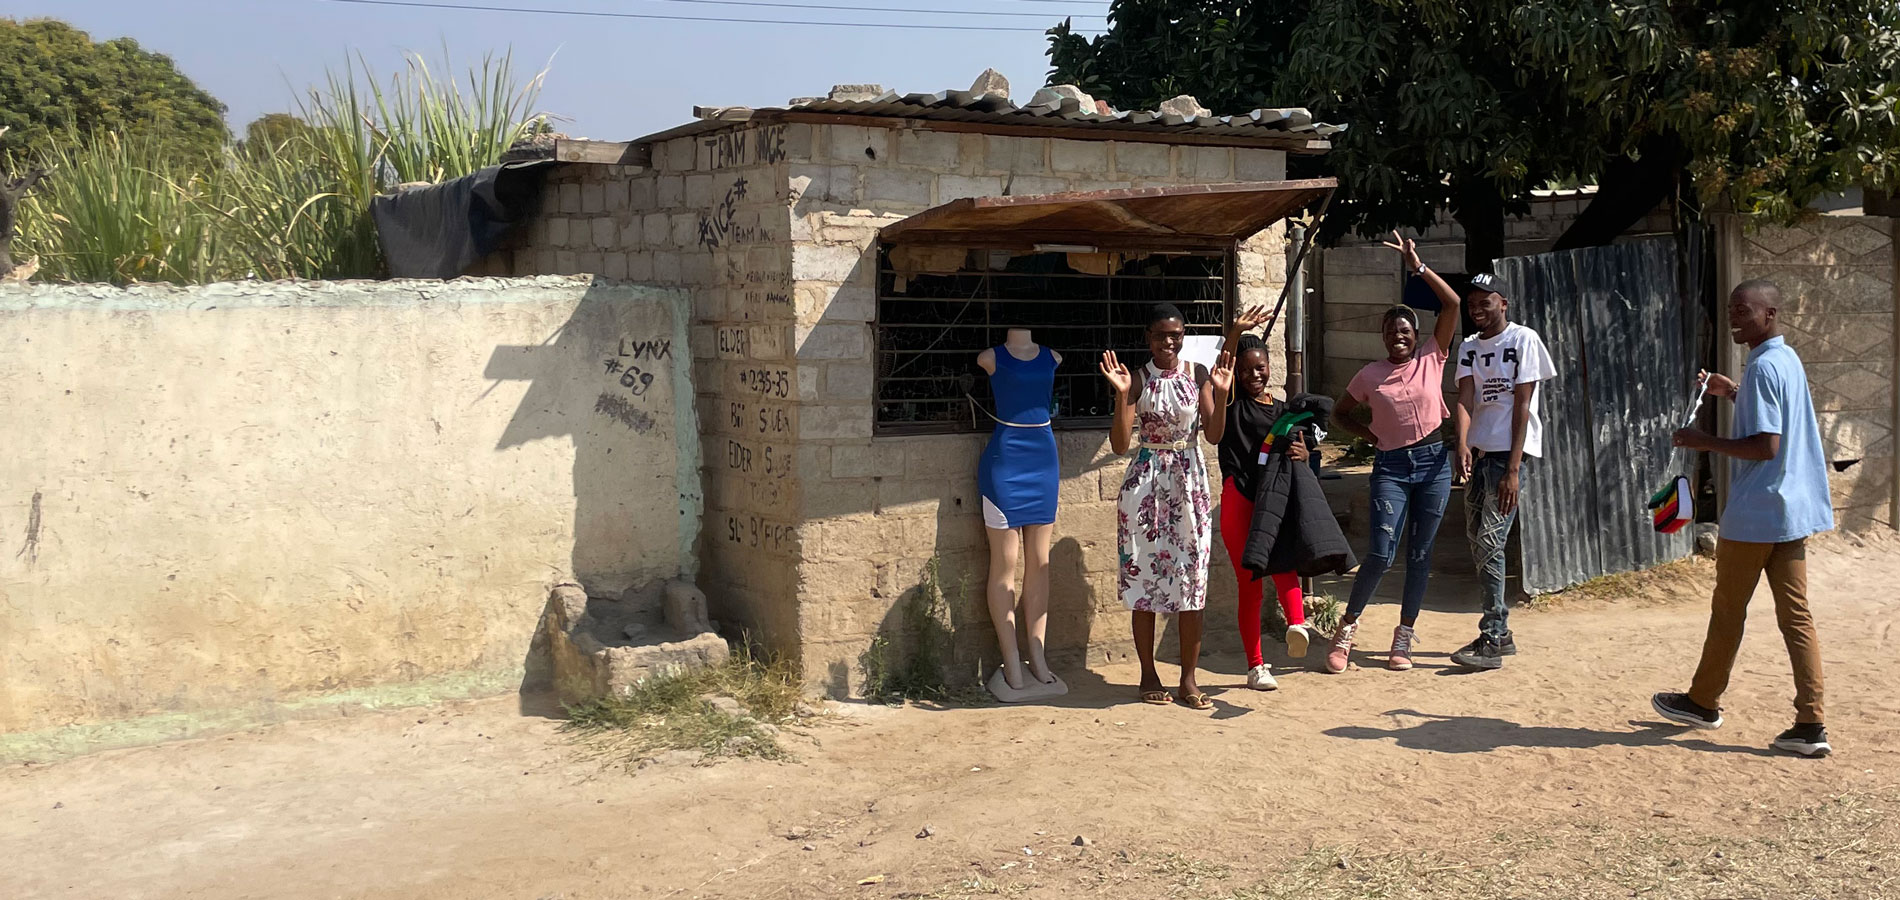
column 1400, row 659
column 1341, row 655
column 1508, row 646
column 1260, row 678
column 1483, row 653
column 1297, row 639
column 1805, row 740
column 1678, row 708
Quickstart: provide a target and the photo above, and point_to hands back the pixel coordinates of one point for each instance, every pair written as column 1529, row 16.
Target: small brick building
column 848, row 258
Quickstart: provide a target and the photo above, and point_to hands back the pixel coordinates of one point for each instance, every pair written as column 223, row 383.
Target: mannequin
column 1018, row 477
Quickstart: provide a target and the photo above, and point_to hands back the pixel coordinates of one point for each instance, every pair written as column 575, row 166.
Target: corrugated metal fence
column 1614, row 320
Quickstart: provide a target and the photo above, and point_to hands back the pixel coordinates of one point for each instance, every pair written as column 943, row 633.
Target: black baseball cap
column 1486, row 283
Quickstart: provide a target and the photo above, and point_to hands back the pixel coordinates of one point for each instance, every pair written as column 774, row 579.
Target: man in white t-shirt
column 1497, row 428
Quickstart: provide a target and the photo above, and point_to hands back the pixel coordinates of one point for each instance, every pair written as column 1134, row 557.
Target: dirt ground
column 1546, row 779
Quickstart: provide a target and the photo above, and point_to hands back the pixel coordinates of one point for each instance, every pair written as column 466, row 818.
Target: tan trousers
column 1738, row 568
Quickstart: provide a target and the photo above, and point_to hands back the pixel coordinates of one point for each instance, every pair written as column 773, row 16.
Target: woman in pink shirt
column 1411, row 477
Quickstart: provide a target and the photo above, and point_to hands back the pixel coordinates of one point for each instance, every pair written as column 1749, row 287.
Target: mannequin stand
column 1033, row 690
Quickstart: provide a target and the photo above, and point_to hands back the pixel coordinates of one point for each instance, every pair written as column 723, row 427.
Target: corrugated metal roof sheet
column 979, row 108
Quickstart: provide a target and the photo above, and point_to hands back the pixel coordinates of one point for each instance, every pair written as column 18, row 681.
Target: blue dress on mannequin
column 1018, row 473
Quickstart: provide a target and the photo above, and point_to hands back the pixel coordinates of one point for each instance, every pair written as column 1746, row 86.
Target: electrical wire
column 880, row 9
column 472, row 7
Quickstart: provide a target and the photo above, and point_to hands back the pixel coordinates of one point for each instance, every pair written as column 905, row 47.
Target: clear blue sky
column 612, row 79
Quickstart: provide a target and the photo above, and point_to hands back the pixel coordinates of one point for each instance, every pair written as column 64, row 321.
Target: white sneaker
column 1260, row 678
column 1297, row 639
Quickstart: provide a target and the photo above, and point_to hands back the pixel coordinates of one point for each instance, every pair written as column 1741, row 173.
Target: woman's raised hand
column 1116, row 373
column 1408, row 250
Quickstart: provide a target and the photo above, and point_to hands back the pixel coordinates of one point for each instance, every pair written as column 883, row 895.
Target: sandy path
column 476, row 801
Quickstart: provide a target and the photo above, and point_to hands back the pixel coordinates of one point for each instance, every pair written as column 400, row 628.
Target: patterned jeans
column 1489, row 531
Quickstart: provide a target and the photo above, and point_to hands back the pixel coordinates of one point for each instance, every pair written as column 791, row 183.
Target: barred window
column 938, row 307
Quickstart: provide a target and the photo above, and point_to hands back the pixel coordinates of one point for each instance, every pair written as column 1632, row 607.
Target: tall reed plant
column 117, row 210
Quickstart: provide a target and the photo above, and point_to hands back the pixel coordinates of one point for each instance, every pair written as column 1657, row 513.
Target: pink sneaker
column 1341, row 655
column 1400, row 658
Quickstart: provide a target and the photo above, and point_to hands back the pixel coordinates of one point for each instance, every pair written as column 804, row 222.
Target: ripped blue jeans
column 1409, row 491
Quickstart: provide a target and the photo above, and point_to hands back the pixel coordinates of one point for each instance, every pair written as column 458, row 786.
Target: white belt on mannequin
column 975, row 405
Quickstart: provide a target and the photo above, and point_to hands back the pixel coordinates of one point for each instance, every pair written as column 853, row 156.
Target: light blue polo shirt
column 1785, row 498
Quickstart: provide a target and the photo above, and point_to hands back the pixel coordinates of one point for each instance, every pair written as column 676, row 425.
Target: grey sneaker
column 1805, row 740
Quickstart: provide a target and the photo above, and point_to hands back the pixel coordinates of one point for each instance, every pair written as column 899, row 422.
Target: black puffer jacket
column 1293, row 525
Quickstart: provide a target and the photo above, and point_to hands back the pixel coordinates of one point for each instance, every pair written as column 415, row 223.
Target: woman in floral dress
column 1166, row 511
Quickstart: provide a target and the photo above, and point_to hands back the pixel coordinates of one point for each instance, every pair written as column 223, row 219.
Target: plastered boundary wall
column 223, row 502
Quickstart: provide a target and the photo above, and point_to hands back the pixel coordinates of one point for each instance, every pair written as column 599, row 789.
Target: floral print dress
column 1166, row 512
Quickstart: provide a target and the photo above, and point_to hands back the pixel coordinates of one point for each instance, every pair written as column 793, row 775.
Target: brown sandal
column 1158, row 698
column 1197, row 701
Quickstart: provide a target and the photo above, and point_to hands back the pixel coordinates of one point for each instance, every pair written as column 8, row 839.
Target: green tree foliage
column 271, row 131
column 55, row 81
column 1759, row 106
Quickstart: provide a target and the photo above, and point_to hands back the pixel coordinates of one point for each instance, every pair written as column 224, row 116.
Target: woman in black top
column 1250, row 417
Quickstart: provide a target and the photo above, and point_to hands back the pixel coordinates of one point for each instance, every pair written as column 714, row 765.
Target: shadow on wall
column 605, row 379
column 937, row 640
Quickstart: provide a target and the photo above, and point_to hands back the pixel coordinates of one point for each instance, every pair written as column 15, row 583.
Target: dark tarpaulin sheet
column 441, row 230
column 1615, row 325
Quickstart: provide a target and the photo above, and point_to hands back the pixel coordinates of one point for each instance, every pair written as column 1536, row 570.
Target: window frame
column 1227, row 250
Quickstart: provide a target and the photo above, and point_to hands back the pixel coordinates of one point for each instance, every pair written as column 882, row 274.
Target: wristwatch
column 1420, row 270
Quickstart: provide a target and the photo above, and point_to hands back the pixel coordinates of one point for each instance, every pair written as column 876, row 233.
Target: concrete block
column 616, row 195
column 957, row 187
column 657, row 230
column 557, row 231
column 1031, row 185
column 1142, row 159
column 669, row 192
column 834, row 422
column 809, row 380
column 1017, row 155
column 570, row 193
column 833, row 342
column 928, row 150
column 1207, row 165
column 564, row 263
column 666, row 267
column 848, row 381
column 909, row 187
column 1259, row 165
column 857, row 144
column 696, row 268
column 606, row 235
column 838, row 264
column 1081, row 157
column 852, row 303
column 593, row 197
column 682, row 155
column 900, row 497
column 878, row 459
column 614, row 265
column 1384, row 290
column 639, row 267
column 699, row 192
column 824, row 499
column 685, row 229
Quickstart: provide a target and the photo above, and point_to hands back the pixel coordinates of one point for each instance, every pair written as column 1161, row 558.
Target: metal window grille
column 931, row 326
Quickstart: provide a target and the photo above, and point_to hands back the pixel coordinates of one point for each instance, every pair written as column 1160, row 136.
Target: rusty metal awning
column 1161, row 216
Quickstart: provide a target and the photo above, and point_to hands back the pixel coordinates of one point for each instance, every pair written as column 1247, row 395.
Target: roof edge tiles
column 1292, row 129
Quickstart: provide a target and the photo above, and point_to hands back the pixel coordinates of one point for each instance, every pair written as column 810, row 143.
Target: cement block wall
column 235, row 495
column 1836, row 274
column 816, row 527
column 1359, row 279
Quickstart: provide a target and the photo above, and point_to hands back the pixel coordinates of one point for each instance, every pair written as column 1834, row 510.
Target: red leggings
column 1236, row 519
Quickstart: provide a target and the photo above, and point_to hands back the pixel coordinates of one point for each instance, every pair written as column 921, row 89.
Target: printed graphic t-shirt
column 1496, row 367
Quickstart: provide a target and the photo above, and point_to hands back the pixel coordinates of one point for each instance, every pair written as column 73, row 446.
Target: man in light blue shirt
column 1778, row 496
